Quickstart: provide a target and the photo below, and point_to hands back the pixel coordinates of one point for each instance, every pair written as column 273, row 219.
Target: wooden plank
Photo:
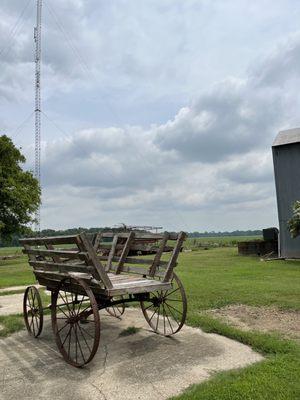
column 62, row 275
column 52, row 239
column 156, row 261
column 139, row 289
column 67, row 268
column 132, row 260
column 125, row 252
column 140, row 235
column 62, row 253
column 97, row 241
column 174, row 256
column 55, row 257
column 112, row 252
column 53, row 280
column 96, row 263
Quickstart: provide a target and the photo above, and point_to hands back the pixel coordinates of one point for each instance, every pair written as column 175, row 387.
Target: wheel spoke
column 172, row 314
column 157, row 317
column 67, row 335
column 169, row 323
column 62, row 328
column 169, row 305
column 173, row 291
column 153, row 314
column 79, row 345
column 84, row 338
column 58, row 306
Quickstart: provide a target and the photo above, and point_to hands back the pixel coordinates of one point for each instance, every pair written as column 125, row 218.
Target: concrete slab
column 15, row 288
column 139, row 366
column 11, row 304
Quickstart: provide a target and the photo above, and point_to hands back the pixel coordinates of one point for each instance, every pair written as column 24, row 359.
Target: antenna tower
column 37, row 111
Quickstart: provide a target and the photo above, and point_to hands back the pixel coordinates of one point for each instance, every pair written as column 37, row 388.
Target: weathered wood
column 174, row 256
column 67, row 268
column 112, row 252
column 156, row 261
column 132, row 260
column 97, row 264
column 61, row 253
column 125, row 252
column 140, row 235
column 51, row 239
column 55, row 257
column 97, row 241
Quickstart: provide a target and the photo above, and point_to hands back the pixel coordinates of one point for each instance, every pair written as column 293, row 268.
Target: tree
column 294, row 222
column 19, row 191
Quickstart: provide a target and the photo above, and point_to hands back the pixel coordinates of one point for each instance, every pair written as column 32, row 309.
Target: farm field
column 216, row 278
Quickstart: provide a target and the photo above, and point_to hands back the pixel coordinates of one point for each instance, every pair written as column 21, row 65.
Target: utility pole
column 37, row 111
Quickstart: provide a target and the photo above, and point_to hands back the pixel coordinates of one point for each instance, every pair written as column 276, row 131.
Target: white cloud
column 191, row 146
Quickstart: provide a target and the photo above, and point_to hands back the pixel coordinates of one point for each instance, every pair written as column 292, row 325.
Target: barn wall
column 286, row 160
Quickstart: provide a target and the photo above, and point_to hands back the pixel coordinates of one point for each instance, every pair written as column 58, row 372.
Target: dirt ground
column 140, row 366
column 265, row 319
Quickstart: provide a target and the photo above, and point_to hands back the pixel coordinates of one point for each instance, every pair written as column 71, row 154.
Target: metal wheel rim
column 117, row 310
column 171, row 322
column 85, row 350
column 33, row 311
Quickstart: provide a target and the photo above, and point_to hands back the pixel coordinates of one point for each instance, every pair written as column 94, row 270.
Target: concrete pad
column 140, row 366
column 11, row 304
column 15, row 288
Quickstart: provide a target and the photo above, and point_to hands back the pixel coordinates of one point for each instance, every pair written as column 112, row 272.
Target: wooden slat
column 55, row 257
column 174, row 256
column 54, row 266
column 140, row 235
column 158, row 255
column 112, row 252
column 97, row 241
column 62, row 253
column 52, row 239
column 132, row 260
column 97, row 264
column 125, row 252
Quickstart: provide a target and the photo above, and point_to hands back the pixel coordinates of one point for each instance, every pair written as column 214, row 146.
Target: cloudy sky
column 154, row 112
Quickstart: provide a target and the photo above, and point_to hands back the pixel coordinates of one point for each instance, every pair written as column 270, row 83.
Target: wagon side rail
column 117, row 259
column 50, row 262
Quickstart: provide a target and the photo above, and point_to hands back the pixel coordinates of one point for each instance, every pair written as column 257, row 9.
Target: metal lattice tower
column 38, row 53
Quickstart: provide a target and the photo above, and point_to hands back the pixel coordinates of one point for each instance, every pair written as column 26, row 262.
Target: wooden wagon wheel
column 166, row 310
column 75, row 322
column 116, row 310
column 33, row 311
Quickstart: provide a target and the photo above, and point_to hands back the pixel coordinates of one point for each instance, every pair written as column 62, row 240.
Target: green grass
column 131, row 330
column 221, row 241
column 220, row 277
column 15, row 272
column 10, row 324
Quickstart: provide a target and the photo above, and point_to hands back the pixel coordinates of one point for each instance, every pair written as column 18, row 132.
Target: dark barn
column 286, row 159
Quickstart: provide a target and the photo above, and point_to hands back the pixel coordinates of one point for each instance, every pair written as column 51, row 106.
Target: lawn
column 214, row 278
column 15, row 272
column 217, row 277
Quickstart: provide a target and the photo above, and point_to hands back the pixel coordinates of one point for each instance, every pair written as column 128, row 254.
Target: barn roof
column 287, row 137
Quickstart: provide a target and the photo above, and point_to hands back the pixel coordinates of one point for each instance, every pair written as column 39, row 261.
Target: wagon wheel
column 75, row 322
column 116, row 310
column 33, row 311
column 165, row 311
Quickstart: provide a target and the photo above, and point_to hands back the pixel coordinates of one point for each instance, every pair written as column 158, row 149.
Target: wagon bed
column 83, row 281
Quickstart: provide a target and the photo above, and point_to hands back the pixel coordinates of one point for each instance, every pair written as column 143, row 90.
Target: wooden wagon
column 83, row 281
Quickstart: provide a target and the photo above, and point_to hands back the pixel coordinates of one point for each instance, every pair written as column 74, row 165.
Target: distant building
column 286, row 159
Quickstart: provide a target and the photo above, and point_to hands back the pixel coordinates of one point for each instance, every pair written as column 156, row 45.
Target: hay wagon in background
column 83, row 278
